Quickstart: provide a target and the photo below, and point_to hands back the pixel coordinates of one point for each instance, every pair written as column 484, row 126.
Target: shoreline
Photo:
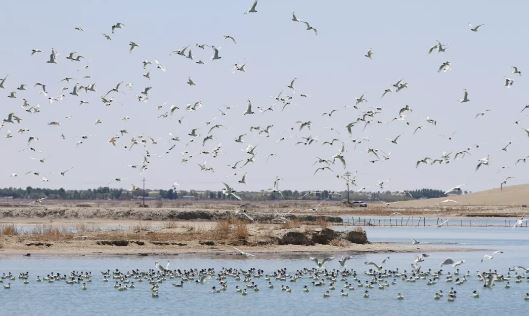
column 262, row 211
column 228, row 251
column 196, row 230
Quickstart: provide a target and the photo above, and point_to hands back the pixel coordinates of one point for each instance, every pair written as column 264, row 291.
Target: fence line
column 412, row 221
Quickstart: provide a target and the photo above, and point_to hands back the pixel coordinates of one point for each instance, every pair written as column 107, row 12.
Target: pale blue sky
column 331, row 69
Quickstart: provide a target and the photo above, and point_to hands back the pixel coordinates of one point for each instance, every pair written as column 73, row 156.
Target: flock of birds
column 199, row 145
column 342, row 281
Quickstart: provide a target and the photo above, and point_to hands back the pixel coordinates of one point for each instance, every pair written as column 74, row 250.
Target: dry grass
column 8, row 230
column 339, row 243
column 140, row 227
column 240, row 230
column 290, row 224
column 171, row 225
column 230, row 229
column 322, row 222
column 222, row 229
column 50, row 233
column 82, row 228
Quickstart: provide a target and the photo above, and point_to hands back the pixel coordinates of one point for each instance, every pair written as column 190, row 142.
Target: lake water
column 41, row 298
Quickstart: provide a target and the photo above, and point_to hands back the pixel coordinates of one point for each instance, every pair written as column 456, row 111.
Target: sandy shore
column 78, row 248
column 196, row 228
column 41, row 236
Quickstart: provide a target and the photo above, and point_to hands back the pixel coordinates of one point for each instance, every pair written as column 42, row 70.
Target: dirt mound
column 323, row 237
column 356, row 237
column 295, row 238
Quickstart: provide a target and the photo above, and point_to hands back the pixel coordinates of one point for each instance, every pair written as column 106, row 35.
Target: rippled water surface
column 197, row 299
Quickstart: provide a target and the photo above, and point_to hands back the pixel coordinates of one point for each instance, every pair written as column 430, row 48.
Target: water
column 197, row 299
column 412, row 221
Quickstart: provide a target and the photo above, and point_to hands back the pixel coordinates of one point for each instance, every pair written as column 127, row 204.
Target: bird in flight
column 475, row 28
column 253, row 8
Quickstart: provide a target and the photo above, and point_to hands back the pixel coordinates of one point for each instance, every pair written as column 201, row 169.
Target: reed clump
column 8, row 230
column 230, row 229
column 50, row 233
column 240, row 230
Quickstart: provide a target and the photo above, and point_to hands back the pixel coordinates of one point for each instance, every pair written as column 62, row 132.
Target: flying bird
column 475, row 28
column 321, row 262
column 253, row 8
column 132, row 45
column 465, row 97
column 229, row 191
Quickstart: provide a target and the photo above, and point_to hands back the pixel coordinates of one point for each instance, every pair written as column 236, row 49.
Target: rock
column 295, row 238
column 119, row 243
column 207, row 243
column 325, row 236
column 38, row 244
column 168, row 243
column 356, row 237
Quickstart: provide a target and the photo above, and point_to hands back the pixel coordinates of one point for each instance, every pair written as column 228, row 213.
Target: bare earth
column 214, row 228
column 54, row 237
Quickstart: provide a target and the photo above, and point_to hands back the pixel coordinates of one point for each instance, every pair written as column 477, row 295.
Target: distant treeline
column 106, row 193
column 425, row 193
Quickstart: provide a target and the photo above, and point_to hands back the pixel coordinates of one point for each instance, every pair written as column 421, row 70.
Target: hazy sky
column 330, row 69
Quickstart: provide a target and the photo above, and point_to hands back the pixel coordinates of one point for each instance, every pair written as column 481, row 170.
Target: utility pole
column 348, row 181
column 143, row 195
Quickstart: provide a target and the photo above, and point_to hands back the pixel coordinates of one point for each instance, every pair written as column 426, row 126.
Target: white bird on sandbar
column 243, row 253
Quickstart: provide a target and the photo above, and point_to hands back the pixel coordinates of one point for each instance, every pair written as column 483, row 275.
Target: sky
column 331, row 71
